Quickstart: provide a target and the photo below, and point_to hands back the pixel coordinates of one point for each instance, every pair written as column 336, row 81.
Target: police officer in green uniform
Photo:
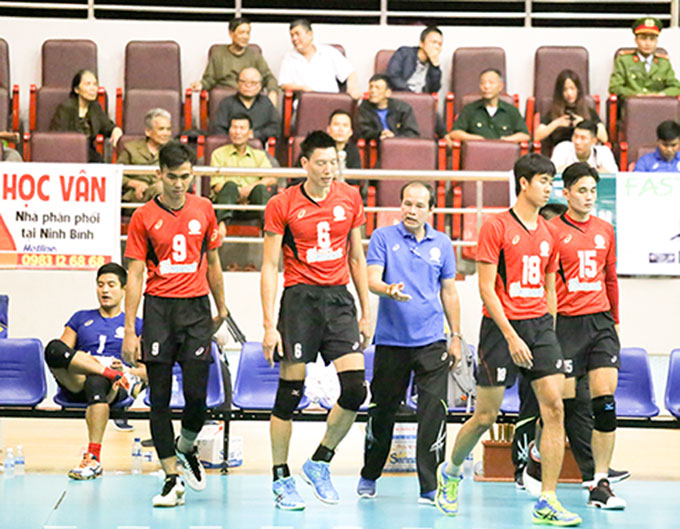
column 489, row 118
column 644, row 71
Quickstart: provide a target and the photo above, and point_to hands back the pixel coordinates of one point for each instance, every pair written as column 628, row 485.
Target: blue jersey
column 421, row 266
column 98, row 335
column 653, row 162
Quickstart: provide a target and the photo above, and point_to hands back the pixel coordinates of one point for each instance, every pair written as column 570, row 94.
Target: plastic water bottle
column 20, row 462
column 468, row 467
column 8, row 466
column 136, row 465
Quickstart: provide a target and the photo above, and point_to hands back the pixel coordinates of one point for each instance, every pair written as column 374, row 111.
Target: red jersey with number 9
column 523, row 258
column 315, row 233
column 174, row 245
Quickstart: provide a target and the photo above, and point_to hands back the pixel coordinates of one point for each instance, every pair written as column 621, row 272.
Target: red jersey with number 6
column 586, row 277
column 523, row 257
column 174, row 245
column 315, row 233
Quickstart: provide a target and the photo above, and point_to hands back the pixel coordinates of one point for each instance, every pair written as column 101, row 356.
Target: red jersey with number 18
column 523, row 257
column 315, row 233
column 586, row 278
column 174, row 245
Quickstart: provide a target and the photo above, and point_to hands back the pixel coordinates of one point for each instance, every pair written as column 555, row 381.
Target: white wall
column 25, row 37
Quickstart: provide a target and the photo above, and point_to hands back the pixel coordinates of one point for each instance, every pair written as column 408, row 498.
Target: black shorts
column 317, row 319
column 588, row 342
column 176, row 329
column 496, row 367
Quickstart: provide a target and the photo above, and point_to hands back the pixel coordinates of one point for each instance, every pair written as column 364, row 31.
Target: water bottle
column 136, row 465
column 468, row 467
column 20, row 462
column 8, row 466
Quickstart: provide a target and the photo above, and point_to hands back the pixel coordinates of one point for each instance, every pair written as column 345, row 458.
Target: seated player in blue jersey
column 87, row 365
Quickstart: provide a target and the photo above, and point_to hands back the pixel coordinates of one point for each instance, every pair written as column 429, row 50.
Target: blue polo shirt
column 421, row 266
column 653, row 162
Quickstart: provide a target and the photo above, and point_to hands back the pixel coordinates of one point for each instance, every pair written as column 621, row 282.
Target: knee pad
column 96, row 389
column 569, row 408
column 352, row 389
column 604, row 413
column 288, row 397
column 58, row 355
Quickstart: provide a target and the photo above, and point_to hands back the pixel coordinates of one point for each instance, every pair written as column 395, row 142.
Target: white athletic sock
column 599, row 476
column 452, row 470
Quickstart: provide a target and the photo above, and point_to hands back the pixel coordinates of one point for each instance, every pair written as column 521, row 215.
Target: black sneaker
column 602, row 497
column 122, row 425
column 531, row 478
column 614, row 476
column 194, row 473
column 519, row 478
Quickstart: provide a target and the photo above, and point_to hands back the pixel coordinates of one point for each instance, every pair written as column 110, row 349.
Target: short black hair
column 236, row 22
column 173, row 154
column 317, row 139
column 339, row 112
column 552, row 210
column 529, row 165
column 300, row 22
column 427, row 186
column 381, row 77
column 428, row 30
column 113, row 268
column 75, row 82
column 588, row 125
column 494, row 70
column 577, row 171
column 668, row 130
column 239, row 116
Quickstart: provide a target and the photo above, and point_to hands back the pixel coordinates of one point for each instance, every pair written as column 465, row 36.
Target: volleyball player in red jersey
column 317, row 226
column 588, row 315
column 516, row 264
column 175, row 236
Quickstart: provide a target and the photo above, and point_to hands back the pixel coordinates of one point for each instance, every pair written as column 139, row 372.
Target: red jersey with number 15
column 586, row 278
column 523, row 257
column 315, row 233
column 174, row 245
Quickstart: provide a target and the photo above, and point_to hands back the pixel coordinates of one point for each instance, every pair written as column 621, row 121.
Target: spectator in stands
column 644, row 71
column 382, row 116
column 489, row 118
column 583, row 148
column 239, row 189
column 86, row 363
column 313, row 67
column 417, row 68
column 158, row 131
column 82, row 113
column 569, row 107
column 227, row 61
column 666, row 158
column 340, row 129
column 250, row 101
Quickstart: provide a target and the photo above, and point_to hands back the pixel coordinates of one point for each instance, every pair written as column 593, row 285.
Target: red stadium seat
column 425, row 109
column 62, row 58
column 69, row 147
column 382, row 59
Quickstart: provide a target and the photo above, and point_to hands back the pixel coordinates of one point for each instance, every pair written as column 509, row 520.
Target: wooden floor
column 55, row 445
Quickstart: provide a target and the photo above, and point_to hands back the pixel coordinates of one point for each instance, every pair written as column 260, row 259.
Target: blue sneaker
column 549, row 511
column 446, row 498
column 427, row 498
column 286, row 495
column 318, row 475
column 366, row 488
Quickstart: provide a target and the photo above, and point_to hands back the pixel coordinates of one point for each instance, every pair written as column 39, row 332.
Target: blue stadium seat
column 22, row 372
column 256, row 382
column 215, row 395
column 673, row 384
column 635, row 394
column 369, row 355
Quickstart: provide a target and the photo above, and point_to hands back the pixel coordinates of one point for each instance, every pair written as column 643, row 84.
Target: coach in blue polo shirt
column 666, row 158
column 411, row 267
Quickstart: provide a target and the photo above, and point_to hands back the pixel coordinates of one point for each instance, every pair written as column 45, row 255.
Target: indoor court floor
column 123, row 501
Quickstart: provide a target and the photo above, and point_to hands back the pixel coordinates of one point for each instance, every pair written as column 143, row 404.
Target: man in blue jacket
column 417, row 68
column 665, row 158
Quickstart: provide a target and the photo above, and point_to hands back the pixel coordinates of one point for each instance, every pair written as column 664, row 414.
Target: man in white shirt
column 583, row 148
column 313, row 67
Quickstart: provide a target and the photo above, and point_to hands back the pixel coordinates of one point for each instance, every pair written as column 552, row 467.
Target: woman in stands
column 569, row 107
column 82, row 113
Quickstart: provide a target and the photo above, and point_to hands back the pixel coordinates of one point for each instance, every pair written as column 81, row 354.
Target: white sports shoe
column 172, row 493
column 194, row 473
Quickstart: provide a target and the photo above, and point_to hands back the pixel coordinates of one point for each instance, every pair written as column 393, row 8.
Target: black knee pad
column 96, row 389
column 604, row 413
column 569, row 407
column 352, row 389
column 58, row 355
column 288, row 397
